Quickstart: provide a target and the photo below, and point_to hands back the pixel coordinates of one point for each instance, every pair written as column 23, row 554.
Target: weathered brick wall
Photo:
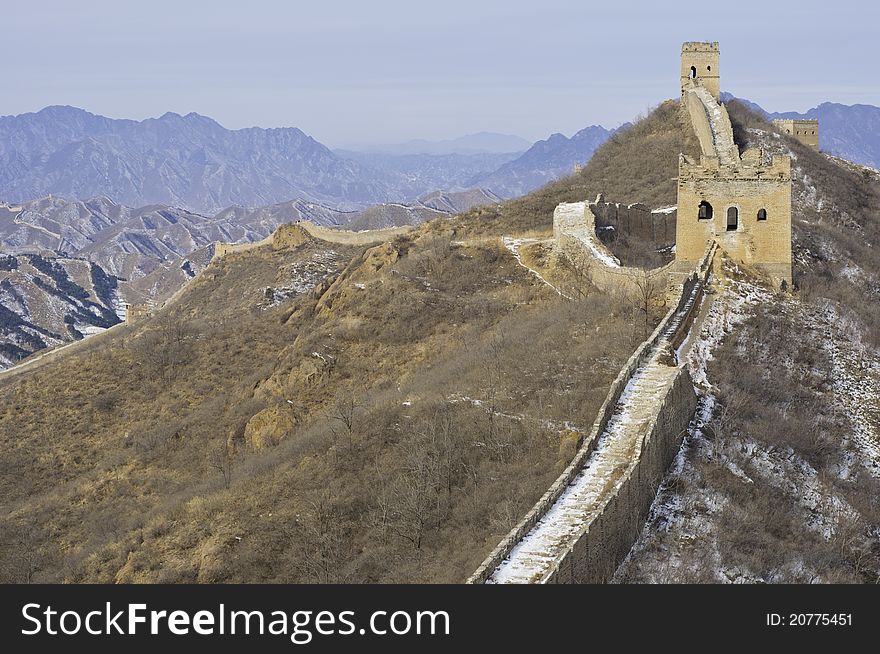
column 764, row 245
column 605, row 542
column 602, row 546
column 222, row 249
column 285, row 232
column 805, row 131
column 576, row 239
column 348, row 237
column 636, row 220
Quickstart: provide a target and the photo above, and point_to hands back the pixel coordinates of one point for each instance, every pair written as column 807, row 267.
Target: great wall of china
column 284, row 235
column 331, row 235
column 736, row 205
column 585, row 524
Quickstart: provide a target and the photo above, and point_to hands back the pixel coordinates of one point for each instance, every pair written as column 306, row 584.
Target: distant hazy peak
column 479, row 142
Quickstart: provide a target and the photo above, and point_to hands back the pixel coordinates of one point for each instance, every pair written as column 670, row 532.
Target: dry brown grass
column 638, row 164
column 437, row 418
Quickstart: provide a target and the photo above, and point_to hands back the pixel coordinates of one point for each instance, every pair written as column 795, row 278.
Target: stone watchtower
column 741, row 201
column 699, row 61
column 804, row 130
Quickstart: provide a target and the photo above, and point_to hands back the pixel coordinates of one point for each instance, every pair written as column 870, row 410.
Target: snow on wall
column 574, row 230
column 583, row 526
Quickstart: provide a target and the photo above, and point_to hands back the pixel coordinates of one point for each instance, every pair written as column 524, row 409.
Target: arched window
column 708, row 67
column 704, row 211
column 693, row 72
column 732, row 219
column 762, row 214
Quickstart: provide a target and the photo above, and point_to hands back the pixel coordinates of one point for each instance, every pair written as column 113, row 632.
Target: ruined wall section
column 657, row 227
column 287, row 235
column 574, row 232
column 348, row 237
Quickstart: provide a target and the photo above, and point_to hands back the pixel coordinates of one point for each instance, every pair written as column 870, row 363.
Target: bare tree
column 578, row 265
column 343, row 415
column 413, row 499
column 648, row 290
column 167, row 347
column 437, row 261
column 492, row 363
column 325, row 545
column 26, row 555
column 222, row 459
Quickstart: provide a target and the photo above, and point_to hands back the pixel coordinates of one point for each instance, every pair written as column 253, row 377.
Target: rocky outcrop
column 269, row 427
column 290, row 236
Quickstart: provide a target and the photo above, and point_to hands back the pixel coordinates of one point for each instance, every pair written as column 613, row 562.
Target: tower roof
column 699, row 46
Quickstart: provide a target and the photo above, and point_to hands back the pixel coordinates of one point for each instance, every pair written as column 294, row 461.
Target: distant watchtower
column 699, row 60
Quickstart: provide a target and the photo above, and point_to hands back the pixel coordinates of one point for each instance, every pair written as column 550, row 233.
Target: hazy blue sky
column 389, row 70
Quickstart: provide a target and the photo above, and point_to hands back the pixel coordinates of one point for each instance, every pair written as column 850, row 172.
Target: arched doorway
column 704, row 211
column 693, row 72
column 762, row 214
column 732, row 219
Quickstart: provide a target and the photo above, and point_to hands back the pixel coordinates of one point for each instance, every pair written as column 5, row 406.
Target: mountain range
column 543, row 162
column 479, row 143
column 68, row 267
column 195, row 163
column 189, row 161
column 152, row 247
column 851, row 132
column 46, row 301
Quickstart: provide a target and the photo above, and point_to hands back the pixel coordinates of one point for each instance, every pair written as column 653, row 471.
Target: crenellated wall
column 603, row 543
column 760, row 195
column 290, row 234
column 804, row 130
column 657, row 227
column 574, row 232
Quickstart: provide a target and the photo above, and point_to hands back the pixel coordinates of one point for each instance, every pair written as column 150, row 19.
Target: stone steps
column 719, row 124
column 531, row 560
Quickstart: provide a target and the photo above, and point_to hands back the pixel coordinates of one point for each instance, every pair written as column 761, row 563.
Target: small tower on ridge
column 699, row 60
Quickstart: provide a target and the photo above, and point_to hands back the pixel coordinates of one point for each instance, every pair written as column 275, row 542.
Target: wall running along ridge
column 804, row 130
column 599, row 536
column 341, row 236
column 574, row 233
